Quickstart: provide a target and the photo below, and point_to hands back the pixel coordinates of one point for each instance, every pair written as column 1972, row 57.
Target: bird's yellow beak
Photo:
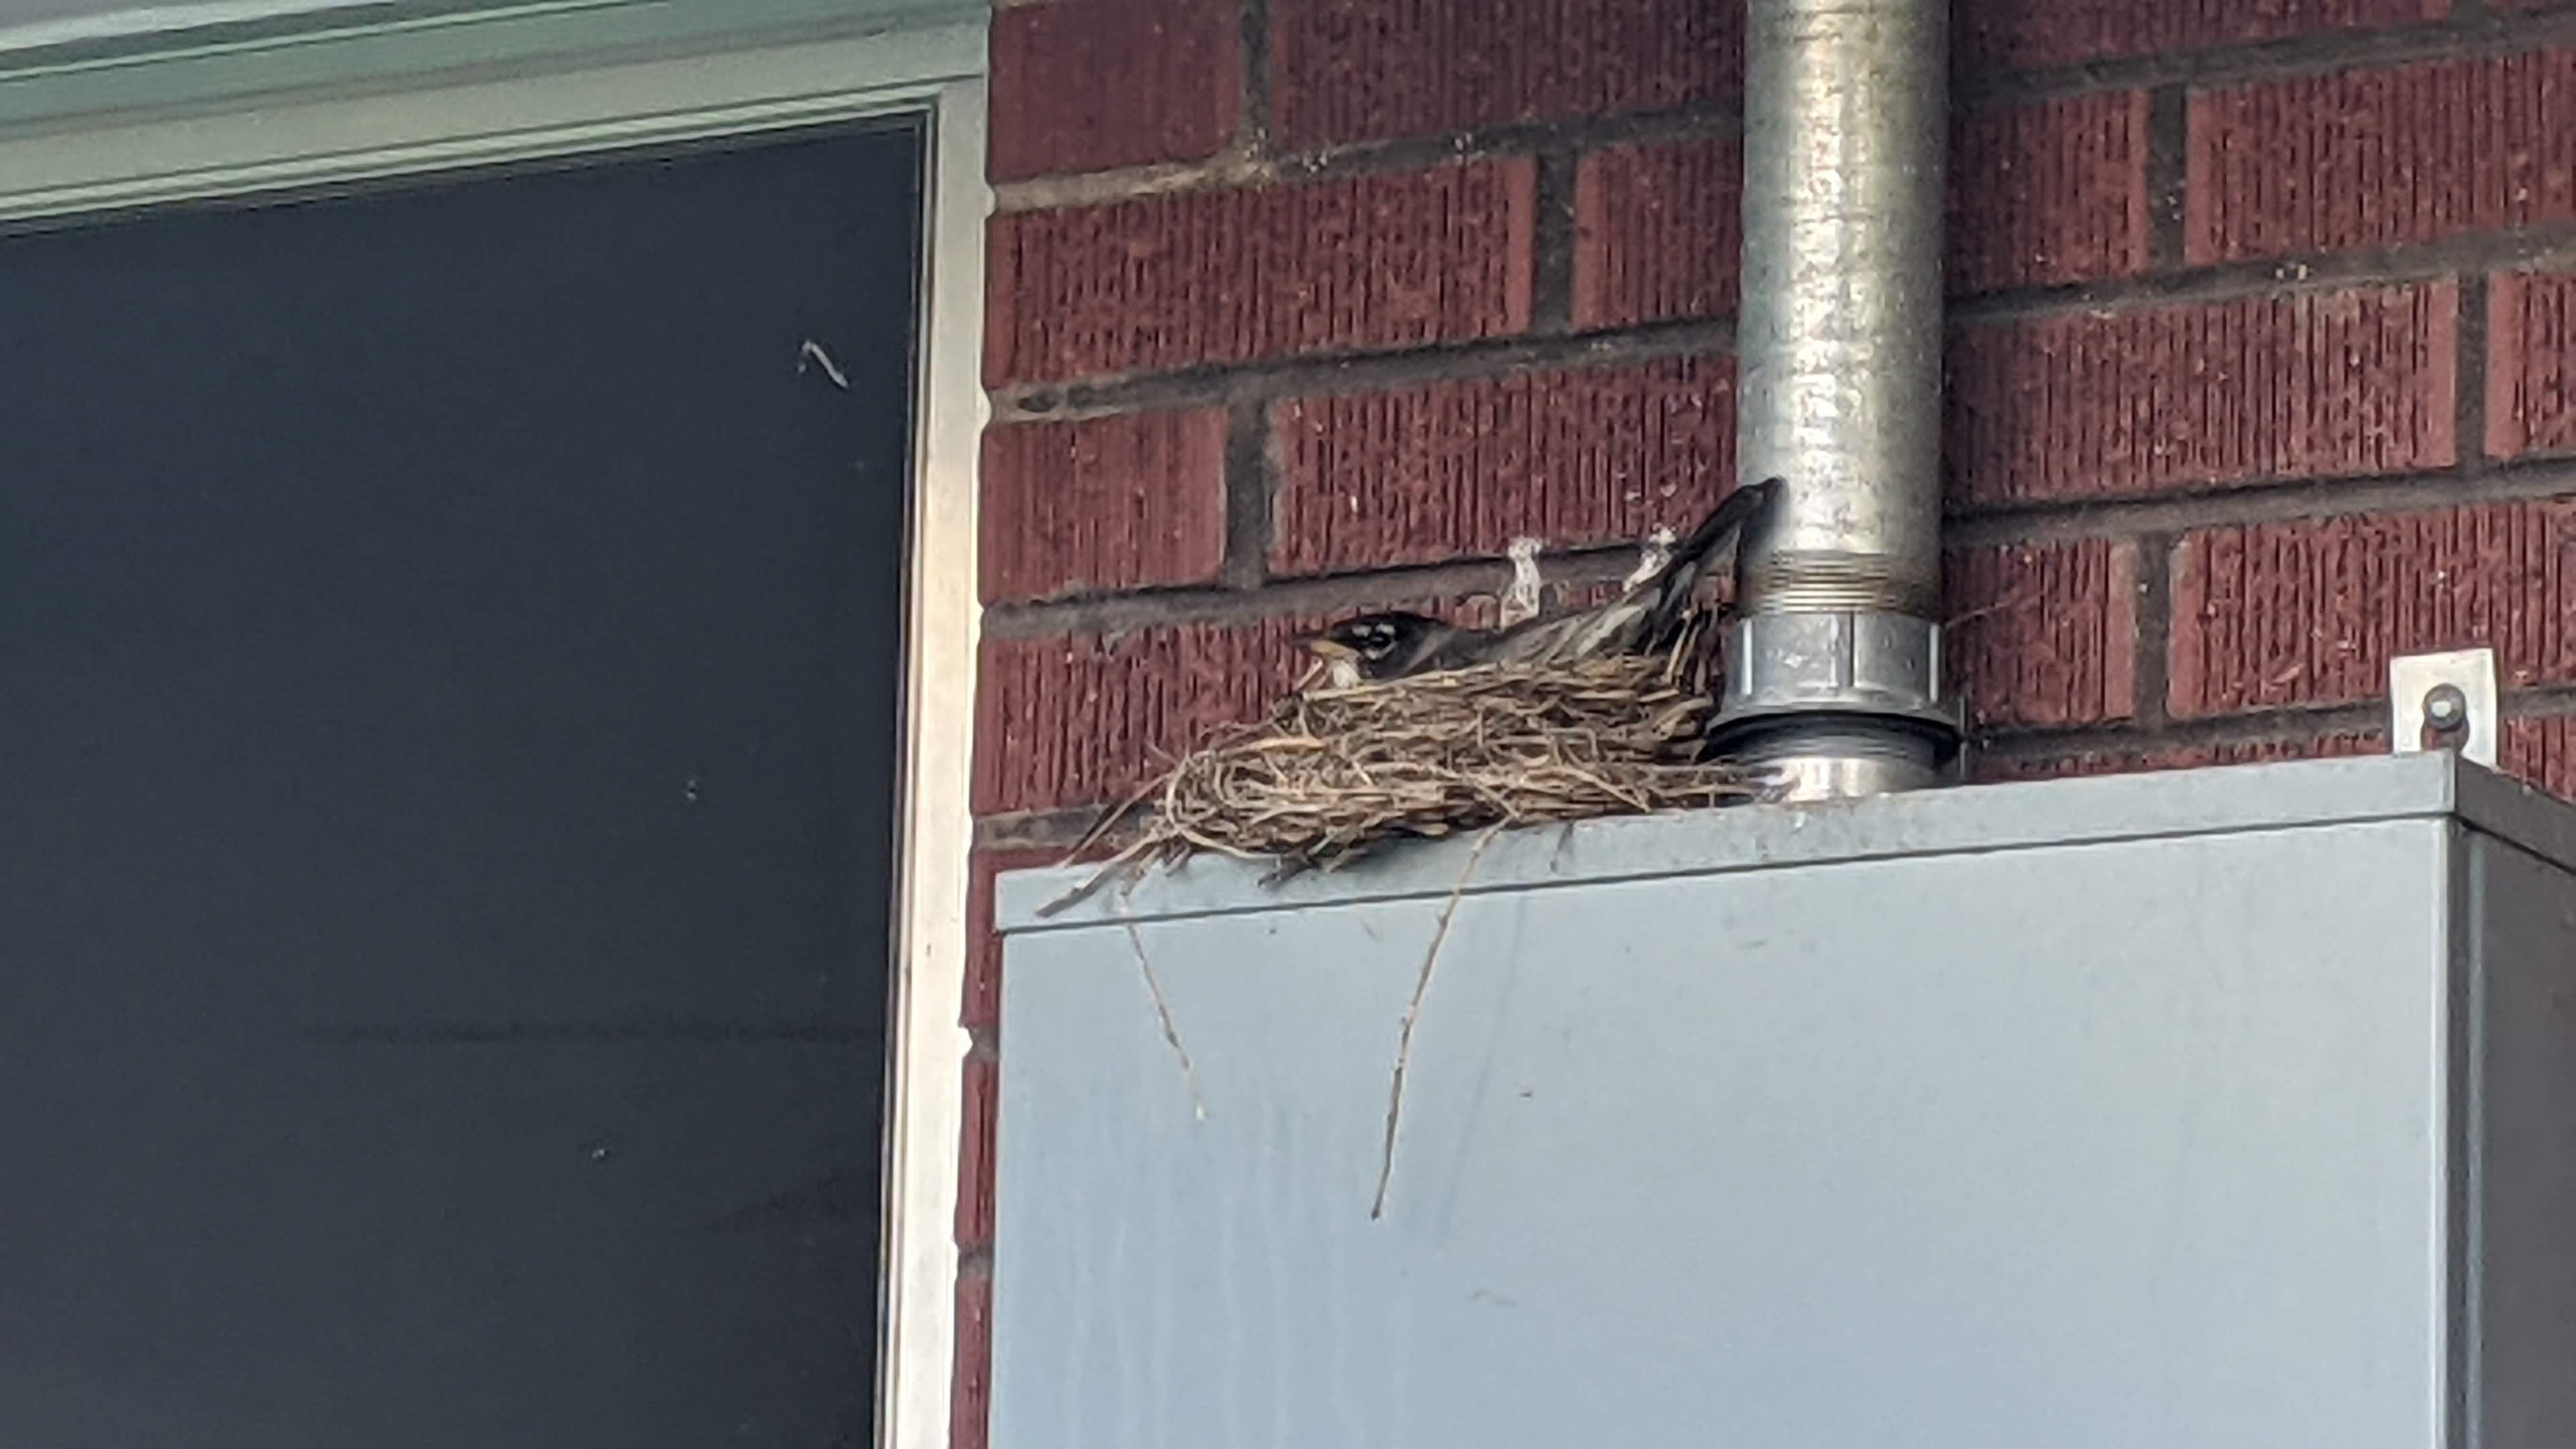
column 1328, row 647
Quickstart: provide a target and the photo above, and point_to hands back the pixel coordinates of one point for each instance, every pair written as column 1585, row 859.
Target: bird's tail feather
column 1680, row 578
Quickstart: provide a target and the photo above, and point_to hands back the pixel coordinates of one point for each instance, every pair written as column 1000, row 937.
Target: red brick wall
column 2263, row 365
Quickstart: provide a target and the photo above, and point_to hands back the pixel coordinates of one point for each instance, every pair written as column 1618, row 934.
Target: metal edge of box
column 2519, row 814
column 1967, row 819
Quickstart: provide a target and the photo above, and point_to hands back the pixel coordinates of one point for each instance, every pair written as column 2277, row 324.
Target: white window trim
column 201, row 116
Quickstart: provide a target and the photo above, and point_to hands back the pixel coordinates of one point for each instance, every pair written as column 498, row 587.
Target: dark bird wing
column 1671, row 588
column 1563, row 638
column 1644, row 617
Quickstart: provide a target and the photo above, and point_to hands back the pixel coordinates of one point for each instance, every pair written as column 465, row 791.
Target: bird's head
column 1372, row 646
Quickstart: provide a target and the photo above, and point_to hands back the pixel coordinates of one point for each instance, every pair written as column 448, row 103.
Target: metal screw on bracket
column 2444, row 702
column 2446, row 712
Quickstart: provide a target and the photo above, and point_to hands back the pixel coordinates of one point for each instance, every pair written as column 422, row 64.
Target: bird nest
column 1336, row 772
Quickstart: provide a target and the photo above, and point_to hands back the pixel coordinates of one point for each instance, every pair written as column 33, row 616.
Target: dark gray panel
column 2524, row 939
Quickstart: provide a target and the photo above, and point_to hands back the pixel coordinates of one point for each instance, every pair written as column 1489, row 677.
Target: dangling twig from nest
column 1163, row 1013
column 1413, row 1014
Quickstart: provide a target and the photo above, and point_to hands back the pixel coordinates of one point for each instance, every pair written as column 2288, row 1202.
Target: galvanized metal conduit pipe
column 1835, row 668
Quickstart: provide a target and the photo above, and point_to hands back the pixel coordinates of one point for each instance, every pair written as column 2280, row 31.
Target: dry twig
column 1413, row 1014
column 1163, row 1013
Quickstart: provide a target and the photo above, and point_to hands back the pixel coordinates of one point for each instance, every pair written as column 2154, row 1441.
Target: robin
column 1644, row 618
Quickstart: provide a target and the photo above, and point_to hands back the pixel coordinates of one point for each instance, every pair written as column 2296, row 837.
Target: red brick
column 983, row 1094
column 1359, row 70
column 982, row 1009
column 2045, row 636
column 2373, row 158
column 2097, row 404
column 1086, row 87
column 2309, row 611
column 2541, row 750
column 2021, row 34
column 1191, row 277
column 1658, row 232
column 970, row 1388
column 1460, row 469
column 2128, row 760
column 2531, row 364
column 1085, row 720
column 1124, row 502
column 2049, row 192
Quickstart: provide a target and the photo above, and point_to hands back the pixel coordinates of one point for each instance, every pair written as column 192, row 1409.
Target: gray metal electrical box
column 2228, row 1108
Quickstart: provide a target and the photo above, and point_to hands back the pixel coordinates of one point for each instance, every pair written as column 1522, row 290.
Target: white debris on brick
column 1520, row 601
